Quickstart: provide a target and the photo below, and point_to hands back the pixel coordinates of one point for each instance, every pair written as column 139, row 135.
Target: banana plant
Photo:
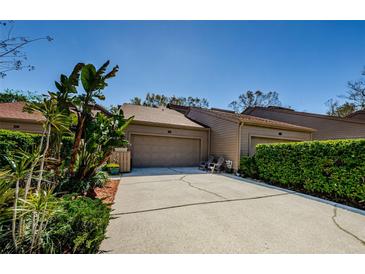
column 93, row 82
column 102, row 135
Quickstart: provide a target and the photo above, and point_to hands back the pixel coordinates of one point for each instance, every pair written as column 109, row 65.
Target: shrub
column 67, row 143
column 333, row 169
column 86, row 186
column 81, row 226
column 248, row 167
column 11, row 140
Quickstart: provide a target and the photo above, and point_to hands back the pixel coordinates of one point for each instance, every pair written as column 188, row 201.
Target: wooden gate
column 123, row 158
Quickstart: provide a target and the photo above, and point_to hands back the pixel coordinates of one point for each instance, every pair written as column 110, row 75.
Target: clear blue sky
column 306, row 62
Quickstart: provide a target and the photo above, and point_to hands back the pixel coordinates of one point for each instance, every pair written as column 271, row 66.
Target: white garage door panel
column 160, row 151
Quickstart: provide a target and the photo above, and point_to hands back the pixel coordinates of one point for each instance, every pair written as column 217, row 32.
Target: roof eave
column 301, row 129
column 8, row 119
column 149, row 123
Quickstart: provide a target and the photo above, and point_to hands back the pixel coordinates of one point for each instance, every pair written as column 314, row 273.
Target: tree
column 12, row 54
column 354, row 99
column 253, row 99
column 338, row 110
column 156, row 100
column 356, row 93
column 136, row 101
column 11, row 96
column 93, row 82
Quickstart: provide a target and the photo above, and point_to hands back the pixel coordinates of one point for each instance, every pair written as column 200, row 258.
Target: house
column 161, row 136
column 327, row 127
column 165, row 137
column 234, row 135
column 13, row 117
column 357, row 115
column 184, row 136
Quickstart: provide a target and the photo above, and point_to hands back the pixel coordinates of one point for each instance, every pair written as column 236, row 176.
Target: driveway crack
column 201, row 189
column 200, row 203
column 183, row 179
column 343, row 229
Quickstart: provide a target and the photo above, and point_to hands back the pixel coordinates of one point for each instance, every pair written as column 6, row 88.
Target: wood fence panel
column 123, row 158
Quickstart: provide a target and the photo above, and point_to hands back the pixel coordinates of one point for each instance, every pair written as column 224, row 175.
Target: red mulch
column 107, row 193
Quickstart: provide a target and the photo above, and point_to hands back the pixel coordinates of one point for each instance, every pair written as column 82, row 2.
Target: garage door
column 260, row 140
column 159, row 151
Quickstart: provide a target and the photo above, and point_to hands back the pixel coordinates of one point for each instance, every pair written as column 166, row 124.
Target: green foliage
column 67, row 142
column 103, row 134
column 33, row 219
column 81, row 226
column 248, row 167
column 11, row 141
column 86, row 185
column 11, row 96
column 334, row 169
column 153, row 99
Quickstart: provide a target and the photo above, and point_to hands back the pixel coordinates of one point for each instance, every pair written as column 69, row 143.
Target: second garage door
column 161, row 151
column 261, row 140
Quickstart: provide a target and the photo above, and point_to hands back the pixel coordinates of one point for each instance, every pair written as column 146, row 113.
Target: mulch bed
column 107, row 193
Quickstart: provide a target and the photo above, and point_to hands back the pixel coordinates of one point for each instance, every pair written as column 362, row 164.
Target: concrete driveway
column 183, row 210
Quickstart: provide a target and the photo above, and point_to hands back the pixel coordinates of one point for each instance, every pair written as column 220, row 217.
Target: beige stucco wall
column 23, row 126
column 247, row 132
column 224, row 140
column 154, row 130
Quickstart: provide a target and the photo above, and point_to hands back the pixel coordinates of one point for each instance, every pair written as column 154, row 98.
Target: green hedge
column 248, row 167
column 332, row 169
column 80, row 227
column 11, row 140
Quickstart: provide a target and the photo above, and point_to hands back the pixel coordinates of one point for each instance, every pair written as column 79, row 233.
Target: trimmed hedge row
column 332, row 169
column 11, row 140
column 248, row 167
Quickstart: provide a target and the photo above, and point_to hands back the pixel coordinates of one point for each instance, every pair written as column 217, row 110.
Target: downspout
column 239, row 143
column 208, row 150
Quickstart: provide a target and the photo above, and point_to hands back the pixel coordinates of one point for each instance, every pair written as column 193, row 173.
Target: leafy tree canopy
column 253, row 99
column 11, row 96
column 154, row 99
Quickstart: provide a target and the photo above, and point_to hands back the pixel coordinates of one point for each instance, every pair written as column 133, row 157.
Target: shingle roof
column 249, row 110
column 14, row 111
column 159, row 115
column 253, row 120
column 356, row 113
